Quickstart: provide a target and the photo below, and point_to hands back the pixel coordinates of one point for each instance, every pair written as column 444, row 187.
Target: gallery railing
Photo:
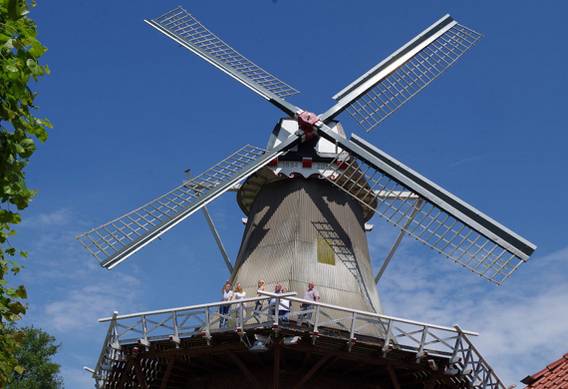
column 280, row 311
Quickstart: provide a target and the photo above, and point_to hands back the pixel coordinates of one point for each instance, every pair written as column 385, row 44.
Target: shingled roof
column 553, row 376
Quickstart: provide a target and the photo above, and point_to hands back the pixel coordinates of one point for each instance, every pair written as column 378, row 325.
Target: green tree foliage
column 19, row 129
column 34, row 356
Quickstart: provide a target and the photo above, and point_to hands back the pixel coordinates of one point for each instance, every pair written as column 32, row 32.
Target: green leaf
column 30, row 63
column 33, row 350
column 8, row 44
column 20, row 129
column 27, row 147
column 17, row 308
column 19, row 148
column 13, row 9
column 21, row 292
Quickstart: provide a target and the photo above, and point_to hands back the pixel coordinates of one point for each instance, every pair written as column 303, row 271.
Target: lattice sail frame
column 390, row 84
column 388, row 95
column 184, row 28
column 443, row 43
column 119, row 238
column 423, row 220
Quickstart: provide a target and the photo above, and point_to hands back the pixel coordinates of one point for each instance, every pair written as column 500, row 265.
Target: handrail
column 187, row 308
column 291, row 297
column 486, row 377
column 366, row 313
column 208, row 320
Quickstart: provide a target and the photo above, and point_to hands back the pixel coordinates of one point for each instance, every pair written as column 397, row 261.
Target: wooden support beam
column 313, row 370
column 139, row 375
column 218, row 364
column 276, row 371
column 329, row 365
column 435, row 381
column 307, row 356
column 259, row 361
column 125, row 374
column 358, row 369
column 247, row 373
column 195, row 351
column 166, row 377
column 371, row 359
column 393, row 378
column 303, row 356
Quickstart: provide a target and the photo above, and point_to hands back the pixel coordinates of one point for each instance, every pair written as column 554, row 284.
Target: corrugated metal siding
column 280, row 243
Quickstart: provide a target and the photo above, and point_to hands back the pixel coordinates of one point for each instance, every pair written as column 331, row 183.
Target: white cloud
column 68, row 291
column 54, row 253
column 77, row 378
column 522, row 325
column 81, row 307
column 57, row 217
column 520, row 336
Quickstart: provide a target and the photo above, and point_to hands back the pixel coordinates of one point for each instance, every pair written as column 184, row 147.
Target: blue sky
column 132, row 111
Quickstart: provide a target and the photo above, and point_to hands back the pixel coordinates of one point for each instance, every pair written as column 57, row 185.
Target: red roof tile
column 553, row 376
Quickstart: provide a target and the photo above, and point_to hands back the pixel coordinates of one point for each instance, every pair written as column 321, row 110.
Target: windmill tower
column 308, row 196
column 301, row 228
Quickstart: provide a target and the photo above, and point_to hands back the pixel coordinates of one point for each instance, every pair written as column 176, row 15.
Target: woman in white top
column 258, row 306
column 239, row 293
column 224, row 309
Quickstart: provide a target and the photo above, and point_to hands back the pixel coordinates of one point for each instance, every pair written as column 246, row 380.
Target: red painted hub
column 306, row 122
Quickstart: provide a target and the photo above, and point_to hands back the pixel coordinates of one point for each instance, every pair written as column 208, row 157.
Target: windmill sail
column 386, row 87
column 443, row 222
column 181, row 26
column 116, row 240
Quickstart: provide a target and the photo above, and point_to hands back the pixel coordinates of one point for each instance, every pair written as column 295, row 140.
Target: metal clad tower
column 301, row 228
column 307, row 198
column 304, row 229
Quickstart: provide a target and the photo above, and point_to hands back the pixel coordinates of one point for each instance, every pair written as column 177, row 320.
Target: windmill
column 309, row 194
column 339, row 183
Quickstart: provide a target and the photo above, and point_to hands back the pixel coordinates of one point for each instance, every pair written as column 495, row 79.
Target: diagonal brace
column 218, row 239
column 394, row 247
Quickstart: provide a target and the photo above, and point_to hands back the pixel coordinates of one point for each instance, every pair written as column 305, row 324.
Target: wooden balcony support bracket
column 244, row 369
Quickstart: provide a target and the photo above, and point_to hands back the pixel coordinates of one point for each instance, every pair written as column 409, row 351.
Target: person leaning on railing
column 238, row 294
column 224, row 309
column 258, row 306
column 272, row 304
column 311, row 294
column 283, row 307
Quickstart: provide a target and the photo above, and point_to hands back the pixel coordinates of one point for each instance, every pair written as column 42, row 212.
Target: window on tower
column 325, row 252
